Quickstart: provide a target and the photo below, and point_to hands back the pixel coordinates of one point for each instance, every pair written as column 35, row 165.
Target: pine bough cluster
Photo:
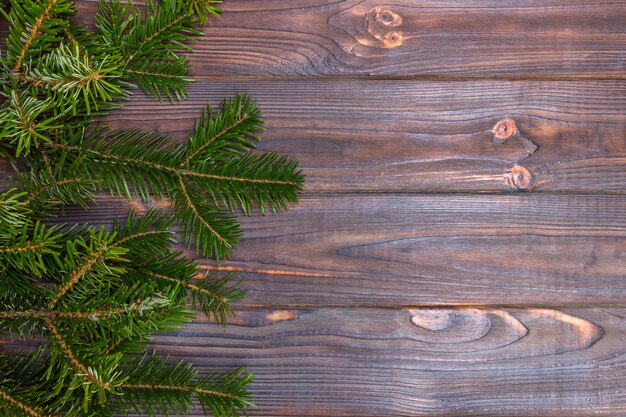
column 89, row 297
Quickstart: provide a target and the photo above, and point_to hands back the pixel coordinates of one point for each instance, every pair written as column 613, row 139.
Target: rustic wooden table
column 428, row 270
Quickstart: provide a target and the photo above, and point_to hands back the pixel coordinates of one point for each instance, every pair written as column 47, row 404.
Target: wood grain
column 412, row 362
column 427, row 136
column 416, row 362
column 432, row 249
column 407, row 38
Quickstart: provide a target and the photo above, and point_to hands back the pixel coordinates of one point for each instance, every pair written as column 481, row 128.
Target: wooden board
column 409, row 281
column 408, row 38
column 417, row 362
column 427, row 136
column 414, row 362
column 432, row 249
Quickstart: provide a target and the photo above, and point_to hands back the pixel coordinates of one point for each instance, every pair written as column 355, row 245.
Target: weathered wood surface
column 427, row 136
column 431, row 249
column 413, row 362
column 449, row 38
column 410, row 362
column 396, row 101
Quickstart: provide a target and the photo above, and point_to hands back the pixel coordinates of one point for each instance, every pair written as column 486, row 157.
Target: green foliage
column 90, row 297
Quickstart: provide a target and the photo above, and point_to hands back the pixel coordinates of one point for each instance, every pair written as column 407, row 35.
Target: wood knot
column 378, row 20
column 519, row 177
column 433, row 320
column 386, row 16
column 503, row 130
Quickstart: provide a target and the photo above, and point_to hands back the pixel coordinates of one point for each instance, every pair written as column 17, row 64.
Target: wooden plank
column 416, row 362
column 408, row 38
column 432, row 249
column 431, row 136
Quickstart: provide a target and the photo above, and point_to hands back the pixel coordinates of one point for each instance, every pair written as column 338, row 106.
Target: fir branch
column 34, row 32
column 97, row 296
column 203, row 8
column 34, row 26
column 22, row 122
column 198, row 217
column 185, row 388
column 28, row 247
column 26, row 251
column 227, row 133
column 72, row 73
column 25, row 408
column 79, row 367
column 70, row 315
column 151, row 380
column 95, row 256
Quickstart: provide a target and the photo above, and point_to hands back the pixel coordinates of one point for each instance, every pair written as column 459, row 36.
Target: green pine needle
column 90, row 298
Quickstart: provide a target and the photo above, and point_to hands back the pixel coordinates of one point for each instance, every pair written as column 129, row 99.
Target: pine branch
column 162, row 77
column 88, row 375
column 202, row 8
column 213, row 165
column 214, row 232
column 71, row 73
column 93, row 298
column 28, row 250
column 33, row 26
column 84, row 259
column 21, row 124
column 152, row 381
column 21, row 406
column 226, row 134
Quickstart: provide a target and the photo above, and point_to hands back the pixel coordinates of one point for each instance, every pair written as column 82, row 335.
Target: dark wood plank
column 412, row 362
column 415, row 362
column 431, row 136
column 432, row 249
column 448, row 38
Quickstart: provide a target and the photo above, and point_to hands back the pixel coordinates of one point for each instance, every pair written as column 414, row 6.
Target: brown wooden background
column 414, row 278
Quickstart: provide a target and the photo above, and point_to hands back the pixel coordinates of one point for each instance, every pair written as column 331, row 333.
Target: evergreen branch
column 203, row 8
column 146, row 236
column 70, row 315
column 27, row 250
column 21, row 121
column 49, row 187
column 161, row 20
column 213, row 231
column 73, row 73
column 34, row 32
column 28, row 247
column 78, row 366
column 152, row 74
column 95, row 256
column 196, row 211
column 97, row 296
column 28, row 410
column 213, row 295
column 34, row 26
column 153, row 380
column 58, row 190
column 185, row 388
column 13, row 214
column 112, row 19
column 226, row 134
column 127, row 239
column 161, row 77
column 56, row 184
column 143, row 163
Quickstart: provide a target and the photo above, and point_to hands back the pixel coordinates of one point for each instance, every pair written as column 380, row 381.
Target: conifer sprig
column 91, row 297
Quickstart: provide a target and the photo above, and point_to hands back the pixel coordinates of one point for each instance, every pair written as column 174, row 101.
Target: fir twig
column 90, row 297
